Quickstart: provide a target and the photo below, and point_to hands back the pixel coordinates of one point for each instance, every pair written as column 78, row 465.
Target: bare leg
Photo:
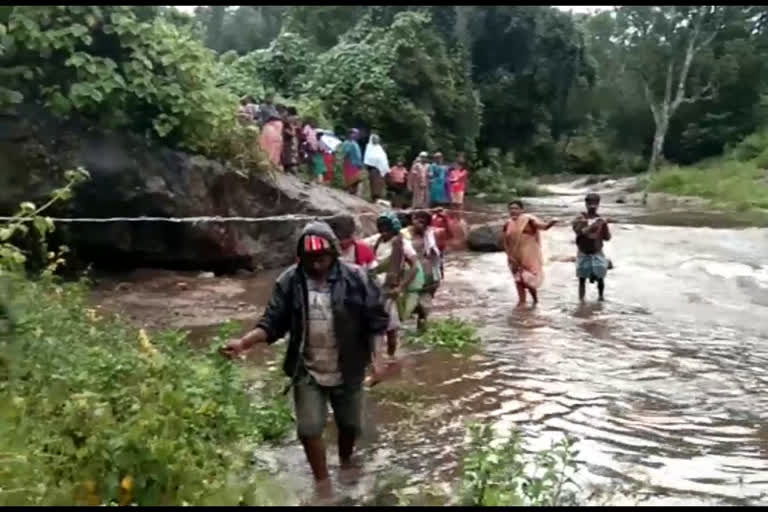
column 314, row 448
column 582, row 289
column 346, row 448
column 520, row 293
column 601, row 289
column 534, row 295
column 391, row 343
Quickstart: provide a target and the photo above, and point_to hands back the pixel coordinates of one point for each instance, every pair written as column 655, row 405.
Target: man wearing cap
column 591, row 231
column 332, row 312
column 418, row 181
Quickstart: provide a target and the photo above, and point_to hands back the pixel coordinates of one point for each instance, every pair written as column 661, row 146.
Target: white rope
column 219, row 219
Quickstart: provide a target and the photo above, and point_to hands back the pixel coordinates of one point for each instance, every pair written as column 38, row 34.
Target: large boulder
column 486, row 237
column 130, row 178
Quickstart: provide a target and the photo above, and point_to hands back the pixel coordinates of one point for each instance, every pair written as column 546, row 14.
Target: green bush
column 448, row 333
column 499, row 473
column 97, row 412
column 750, row 147
column 142, row 74
column 93, row 411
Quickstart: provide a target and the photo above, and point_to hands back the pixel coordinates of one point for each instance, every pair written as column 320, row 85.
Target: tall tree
column 668, row 49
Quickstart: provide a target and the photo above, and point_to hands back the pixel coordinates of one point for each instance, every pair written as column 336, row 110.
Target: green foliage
column 499, row 472
column 727, row 182
column 95, row 412
column 498, row 178
column 29, row 221
column 751, row 146
column 451, row 334
column 108, row 64
column 89, row 402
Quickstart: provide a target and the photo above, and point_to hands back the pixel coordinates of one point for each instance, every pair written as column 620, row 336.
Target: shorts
column 311, row 407
column 591, row 266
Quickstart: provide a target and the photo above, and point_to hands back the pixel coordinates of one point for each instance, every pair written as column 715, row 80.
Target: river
column 665, row 385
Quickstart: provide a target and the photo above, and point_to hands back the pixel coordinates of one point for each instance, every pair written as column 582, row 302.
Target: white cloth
column 376, row 157
column 430, row 242
column 330, row 141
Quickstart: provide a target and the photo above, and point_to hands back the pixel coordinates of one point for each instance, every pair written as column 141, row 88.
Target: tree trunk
column 656, row 152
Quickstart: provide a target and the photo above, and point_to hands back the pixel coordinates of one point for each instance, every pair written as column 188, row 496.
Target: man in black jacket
column 332, row 312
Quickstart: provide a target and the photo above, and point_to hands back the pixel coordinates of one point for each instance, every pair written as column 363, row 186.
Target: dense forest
column 534, row 89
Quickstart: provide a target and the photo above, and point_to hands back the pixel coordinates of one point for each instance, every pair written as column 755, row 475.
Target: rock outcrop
column 130, row 178
column 485, row 238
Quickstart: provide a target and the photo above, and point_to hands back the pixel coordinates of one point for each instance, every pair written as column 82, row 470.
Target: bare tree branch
column 708, row 92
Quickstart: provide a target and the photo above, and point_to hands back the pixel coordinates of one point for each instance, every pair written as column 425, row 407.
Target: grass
column 741, row 186
column 451, row 334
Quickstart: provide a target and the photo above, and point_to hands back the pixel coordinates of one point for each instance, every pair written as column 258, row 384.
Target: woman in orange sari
column 522, row 243
column 271, row 139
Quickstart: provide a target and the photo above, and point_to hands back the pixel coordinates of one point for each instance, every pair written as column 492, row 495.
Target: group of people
column 521, row 236
column 344, row 301
column 289, row 141
column 429, row 182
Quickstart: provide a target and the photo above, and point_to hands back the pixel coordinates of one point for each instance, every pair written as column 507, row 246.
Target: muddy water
column 665, row 385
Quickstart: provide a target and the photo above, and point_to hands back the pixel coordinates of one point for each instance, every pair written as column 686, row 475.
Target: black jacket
column 358, row 313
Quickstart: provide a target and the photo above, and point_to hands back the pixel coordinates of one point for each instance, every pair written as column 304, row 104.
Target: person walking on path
column 438, row 192
column 418, row 181
column 353, row 162
column 376, row 161
column 332, row 312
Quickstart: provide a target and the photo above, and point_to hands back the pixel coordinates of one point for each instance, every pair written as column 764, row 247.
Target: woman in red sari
column 522, row 243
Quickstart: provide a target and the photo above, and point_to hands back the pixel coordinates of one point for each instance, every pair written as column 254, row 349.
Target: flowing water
column 665, row 385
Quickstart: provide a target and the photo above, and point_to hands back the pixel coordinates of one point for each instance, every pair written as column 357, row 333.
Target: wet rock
column 182, row 286
column 485, row 238
column 206, row 275
column 122, row 287
column 621, row 200
column 244, row 273
column 131, row 177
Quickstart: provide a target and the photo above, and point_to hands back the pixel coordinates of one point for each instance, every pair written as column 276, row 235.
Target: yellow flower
column 144, row 343
column 127, row 483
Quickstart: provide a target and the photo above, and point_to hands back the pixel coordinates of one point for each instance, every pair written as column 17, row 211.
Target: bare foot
column 350, row 471
column 324, row 490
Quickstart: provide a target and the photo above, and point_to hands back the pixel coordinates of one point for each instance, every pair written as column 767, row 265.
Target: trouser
column 311, row 407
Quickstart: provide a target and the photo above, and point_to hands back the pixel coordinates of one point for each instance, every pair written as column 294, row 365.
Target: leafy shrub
column 448, row 333
column 761, row 160
column 499, row 473
column 95, row 412
column 750, row 147
column 143, row 74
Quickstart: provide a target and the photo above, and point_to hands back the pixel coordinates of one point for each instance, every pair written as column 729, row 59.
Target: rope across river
column 289, row 217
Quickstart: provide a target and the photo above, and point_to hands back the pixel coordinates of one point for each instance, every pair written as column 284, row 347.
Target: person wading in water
column 422, row 237
column 332, row 313
column 522, row 243
column 591, row 231
column 398, row 272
